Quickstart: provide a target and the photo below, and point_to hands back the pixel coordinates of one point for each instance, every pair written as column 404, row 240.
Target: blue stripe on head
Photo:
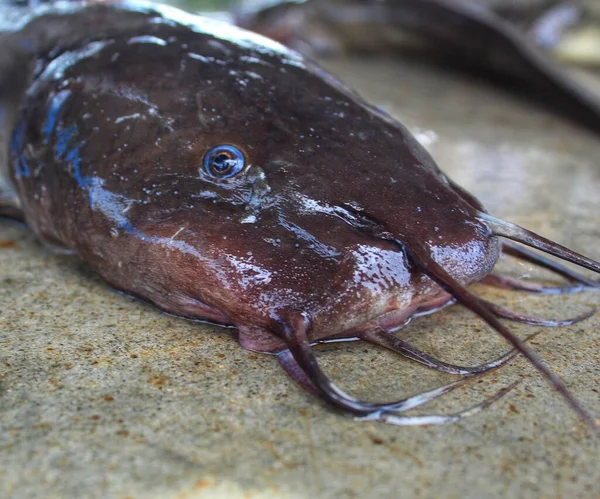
column 74, row 158
column 63, row 137
column 17, row 141
column 56, row 105
column 22, row 168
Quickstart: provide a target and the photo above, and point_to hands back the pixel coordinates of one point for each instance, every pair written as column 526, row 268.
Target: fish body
column 481, row 37
column 221, row 176
column 106, row 158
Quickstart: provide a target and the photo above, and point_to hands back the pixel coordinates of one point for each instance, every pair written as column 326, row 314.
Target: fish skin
column 462, row 34
column 106, row 162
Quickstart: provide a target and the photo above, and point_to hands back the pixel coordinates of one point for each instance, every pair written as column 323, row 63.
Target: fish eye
column 224, row 161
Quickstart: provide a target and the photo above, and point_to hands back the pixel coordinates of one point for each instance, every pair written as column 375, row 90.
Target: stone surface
column 104, row 396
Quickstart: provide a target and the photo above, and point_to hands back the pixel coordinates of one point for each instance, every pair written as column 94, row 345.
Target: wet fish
column 223, row 177
column 475, row 36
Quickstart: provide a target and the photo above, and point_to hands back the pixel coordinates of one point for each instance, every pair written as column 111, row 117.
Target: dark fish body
column 107, row 163
column 567, row 30
column 459, row 33
column 338, row 225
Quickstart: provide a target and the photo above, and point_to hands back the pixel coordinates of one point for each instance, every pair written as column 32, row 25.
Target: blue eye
column 224, row 161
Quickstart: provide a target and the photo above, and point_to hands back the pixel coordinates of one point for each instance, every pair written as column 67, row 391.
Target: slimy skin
column 471, row 35
column 338, row 224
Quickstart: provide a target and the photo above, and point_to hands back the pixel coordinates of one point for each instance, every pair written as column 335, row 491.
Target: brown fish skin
column 147, row 204
column 457, row 33
column 340, row 224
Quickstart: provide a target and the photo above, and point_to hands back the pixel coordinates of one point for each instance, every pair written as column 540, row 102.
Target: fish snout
column 455, row 237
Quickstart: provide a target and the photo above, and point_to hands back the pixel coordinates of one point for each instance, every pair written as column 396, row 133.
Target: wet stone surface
column 104, row 396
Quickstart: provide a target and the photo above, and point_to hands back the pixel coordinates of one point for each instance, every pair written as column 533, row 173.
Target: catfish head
column 223, row 177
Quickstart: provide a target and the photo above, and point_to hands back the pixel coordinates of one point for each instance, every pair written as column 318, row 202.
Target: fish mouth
column 263, row 341
column 393, row 320
column 293, row 327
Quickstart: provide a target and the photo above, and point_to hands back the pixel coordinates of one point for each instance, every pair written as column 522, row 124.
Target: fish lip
column 392, row 320
column 266, row 340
